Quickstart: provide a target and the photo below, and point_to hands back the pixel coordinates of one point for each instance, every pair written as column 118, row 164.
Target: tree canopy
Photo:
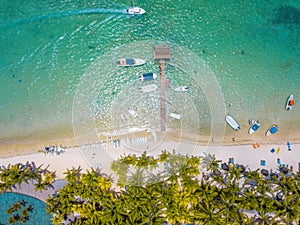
column 171, row 189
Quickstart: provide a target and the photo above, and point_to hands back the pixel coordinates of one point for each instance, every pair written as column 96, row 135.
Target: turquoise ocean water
column 48, row 47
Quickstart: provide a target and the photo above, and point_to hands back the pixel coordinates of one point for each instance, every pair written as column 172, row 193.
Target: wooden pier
column 163, row 110
column 162, row 53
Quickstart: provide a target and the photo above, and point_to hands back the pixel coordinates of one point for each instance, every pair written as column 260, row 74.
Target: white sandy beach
column 99, row 155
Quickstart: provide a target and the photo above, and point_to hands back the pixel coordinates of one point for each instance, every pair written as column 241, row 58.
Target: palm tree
column 177, row 197
column 207, row 210
column 210, row 162
column 258, row 197
column 288, row 206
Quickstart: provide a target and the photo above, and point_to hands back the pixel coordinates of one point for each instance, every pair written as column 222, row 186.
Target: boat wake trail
column 81, row 12
column 65, row 14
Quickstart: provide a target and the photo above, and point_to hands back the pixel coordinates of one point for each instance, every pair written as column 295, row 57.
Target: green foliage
column 171, row 188
column 178, row 189
column 14, row 175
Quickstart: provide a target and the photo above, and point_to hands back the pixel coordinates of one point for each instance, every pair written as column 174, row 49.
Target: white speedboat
column 130, row 62
column 254, row 126
column 231, row 122
column 132, row 112
column 272, row 130
column 135, row 11
column 148, row 76
column 148, row 88
column 175, row 116
column 181, row 88
column 290, row 102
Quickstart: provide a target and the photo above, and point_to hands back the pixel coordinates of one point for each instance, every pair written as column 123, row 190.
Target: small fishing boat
column 231, row 122
column 130, row 62
column 135, row 11
column 148, row 76
column 254, row 126
column 132, row 112
column 175, row 116
column 272, row 130
column 290, row 102
column 148, row 88
column 181, row 88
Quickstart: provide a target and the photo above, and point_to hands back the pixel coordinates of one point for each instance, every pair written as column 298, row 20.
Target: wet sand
column 245, row 149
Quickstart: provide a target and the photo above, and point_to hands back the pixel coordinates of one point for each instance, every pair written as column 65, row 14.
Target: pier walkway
column 162, row 53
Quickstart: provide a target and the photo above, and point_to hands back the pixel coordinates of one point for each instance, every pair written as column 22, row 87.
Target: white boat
column 181, row 88
column 148, row 88
column 135, row 11
column 132, row 112
column 175, row 116
column 254, row 126
column 148, row 76
column 130, row 62
column 272, row 130
column 231, row 122
column 290, row 102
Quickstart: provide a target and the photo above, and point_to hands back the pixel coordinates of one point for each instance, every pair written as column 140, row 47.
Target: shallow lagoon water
column 251, row 47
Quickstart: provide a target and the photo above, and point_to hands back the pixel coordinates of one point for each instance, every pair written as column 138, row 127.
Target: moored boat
column 148, row 88
column 175, row 116
column 254, row 126
column 272, row 130
column 148, row 76
column 181, row 88
column 135, row 11
column 130, row 62
column 231, row 122
column 132, row 112
column 290, row 102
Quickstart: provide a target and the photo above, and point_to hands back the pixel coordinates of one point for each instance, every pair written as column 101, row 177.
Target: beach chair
column 289, row 146
column 262, row 162
column 115, row 143
column 278, row 160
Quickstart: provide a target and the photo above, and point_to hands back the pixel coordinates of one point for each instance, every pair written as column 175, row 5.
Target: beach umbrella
column 264, row 172
column 224, row 166
column 242, row 168
column 284, row 170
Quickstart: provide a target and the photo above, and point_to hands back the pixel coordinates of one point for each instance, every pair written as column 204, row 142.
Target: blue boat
column 254, row 126
column 148, row 76
column 130, row 62
column 272, row 130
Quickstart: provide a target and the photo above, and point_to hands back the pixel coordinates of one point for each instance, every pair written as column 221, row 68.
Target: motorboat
column 148, row 76
column 130, row 62
column 182, row 88
column 272, row 130
column 148, row 88
column 175, row 116
column 254, row 126
column 135, row 11
column 231, row 122
column 290, row 102
column 132, row 113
